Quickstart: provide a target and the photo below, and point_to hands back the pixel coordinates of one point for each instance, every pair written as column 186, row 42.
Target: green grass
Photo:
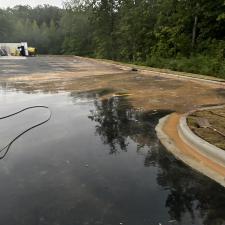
column 198, row 64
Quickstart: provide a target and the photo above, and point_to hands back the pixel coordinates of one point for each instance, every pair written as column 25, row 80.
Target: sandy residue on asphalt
column 170, row 129
column 148, row 90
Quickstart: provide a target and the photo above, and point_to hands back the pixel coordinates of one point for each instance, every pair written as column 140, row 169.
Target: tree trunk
column 194, row 31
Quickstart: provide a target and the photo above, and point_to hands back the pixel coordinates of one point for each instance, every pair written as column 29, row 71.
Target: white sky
column 11, row 3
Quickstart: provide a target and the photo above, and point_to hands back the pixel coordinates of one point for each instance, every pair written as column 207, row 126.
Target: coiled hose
column 7, row 147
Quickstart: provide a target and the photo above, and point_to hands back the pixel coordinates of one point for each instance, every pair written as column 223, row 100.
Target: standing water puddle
column 96, row 162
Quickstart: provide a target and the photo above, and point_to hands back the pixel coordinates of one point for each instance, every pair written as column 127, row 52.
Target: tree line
column 184, row 35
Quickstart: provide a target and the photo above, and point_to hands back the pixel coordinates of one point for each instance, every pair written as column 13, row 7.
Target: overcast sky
column 11, row 3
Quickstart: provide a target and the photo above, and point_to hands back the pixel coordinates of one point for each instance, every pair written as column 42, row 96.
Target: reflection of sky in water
column 97, row 162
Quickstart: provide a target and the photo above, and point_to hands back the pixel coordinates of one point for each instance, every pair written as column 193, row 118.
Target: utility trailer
column 14, row 49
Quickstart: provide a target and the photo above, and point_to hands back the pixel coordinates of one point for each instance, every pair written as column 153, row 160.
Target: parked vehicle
column 32, row 51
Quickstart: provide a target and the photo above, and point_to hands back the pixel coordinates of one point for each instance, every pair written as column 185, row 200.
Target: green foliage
column 5, row 26
column 77, row 32
column 38, row 26
column 195, row 64
column 184, row 35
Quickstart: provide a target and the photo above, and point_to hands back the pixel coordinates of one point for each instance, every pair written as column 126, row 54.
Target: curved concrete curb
column 170, row 145
column 210, row 151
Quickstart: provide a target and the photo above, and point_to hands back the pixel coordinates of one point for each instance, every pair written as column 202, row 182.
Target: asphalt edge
column 171, row 147
column 188, row 76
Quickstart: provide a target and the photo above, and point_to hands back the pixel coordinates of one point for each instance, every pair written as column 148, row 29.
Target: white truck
column 14, row 49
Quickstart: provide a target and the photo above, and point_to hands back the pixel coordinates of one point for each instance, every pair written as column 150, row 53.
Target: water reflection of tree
column 117, row 121
column 188, row 192
column 112, row 122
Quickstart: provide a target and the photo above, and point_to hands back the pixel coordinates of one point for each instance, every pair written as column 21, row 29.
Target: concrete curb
column 185, row 77
column 210, row 151
column 189, row 161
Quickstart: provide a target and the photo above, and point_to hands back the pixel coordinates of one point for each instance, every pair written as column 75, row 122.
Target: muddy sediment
column 144, row 90
column 212, row 128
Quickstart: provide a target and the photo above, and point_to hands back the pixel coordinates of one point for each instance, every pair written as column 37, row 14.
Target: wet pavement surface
column 98, row 160
column 147, row 90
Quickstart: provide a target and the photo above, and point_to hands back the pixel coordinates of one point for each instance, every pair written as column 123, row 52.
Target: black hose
column 7, row 147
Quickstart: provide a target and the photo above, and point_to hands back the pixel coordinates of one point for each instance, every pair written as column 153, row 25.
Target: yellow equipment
column 32, row 51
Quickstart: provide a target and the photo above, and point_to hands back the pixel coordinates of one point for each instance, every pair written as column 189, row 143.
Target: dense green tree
column 104, row 21
column 6, row 26
column 135, row 30
column 186, row 35
column 77, row 31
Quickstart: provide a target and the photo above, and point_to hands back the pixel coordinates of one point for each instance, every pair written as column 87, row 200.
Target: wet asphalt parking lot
column 97, row 161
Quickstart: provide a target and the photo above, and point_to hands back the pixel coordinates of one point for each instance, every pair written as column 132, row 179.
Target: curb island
column 177, row 137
